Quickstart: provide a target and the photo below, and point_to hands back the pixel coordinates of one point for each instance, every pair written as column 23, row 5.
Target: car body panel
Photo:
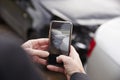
column 104, row 62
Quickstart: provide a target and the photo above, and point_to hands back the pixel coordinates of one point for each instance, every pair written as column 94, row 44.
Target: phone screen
column 60, row 40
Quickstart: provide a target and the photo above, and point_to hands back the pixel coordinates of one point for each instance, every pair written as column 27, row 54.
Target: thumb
column 63, row 58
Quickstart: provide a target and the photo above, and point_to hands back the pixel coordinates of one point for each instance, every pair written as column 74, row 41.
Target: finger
column 73, row 53
column 39, row 53
column 26, row 45
column 55, row 68
column 44, row 47
column 39, row 60
column 41, row 41
column 35, row 43
column 63, row 58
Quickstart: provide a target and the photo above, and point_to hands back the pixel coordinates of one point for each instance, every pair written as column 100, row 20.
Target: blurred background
column 21, row 20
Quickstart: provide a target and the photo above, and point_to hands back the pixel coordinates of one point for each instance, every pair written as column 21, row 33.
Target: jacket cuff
column 79, row 76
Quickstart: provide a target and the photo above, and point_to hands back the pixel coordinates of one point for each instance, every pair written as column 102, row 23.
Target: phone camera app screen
column 60, row 36
column 60, row 39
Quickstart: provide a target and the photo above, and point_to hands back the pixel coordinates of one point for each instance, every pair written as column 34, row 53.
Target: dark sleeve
column 15, row 64
column 79, row 76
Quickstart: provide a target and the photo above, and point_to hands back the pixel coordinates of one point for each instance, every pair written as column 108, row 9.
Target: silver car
column 104, row 62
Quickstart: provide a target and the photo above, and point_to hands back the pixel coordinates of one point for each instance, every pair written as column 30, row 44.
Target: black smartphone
column 60, row 40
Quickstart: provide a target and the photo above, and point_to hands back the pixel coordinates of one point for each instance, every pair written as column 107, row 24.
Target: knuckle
column 69, row 59
column 30, row 40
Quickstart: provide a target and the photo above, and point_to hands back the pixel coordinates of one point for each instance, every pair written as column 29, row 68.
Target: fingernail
column 48, row 53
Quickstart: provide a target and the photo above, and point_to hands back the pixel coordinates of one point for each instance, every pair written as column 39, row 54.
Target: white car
column 104, row 61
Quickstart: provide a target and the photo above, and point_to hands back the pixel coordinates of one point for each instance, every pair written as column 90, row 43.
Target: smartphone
column 60, row 40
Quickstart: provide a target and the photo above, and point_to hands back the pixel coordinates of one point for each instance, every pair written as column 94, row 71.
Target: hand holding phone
column 60, row 40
